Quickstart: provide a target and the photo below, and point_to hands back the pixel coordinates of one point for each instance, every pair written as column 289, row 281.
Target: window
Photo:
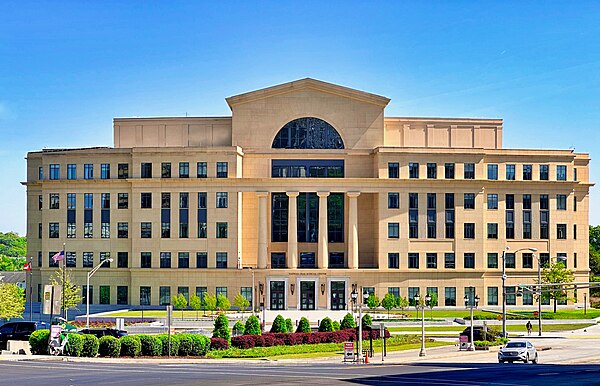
column 574, row 231
column 84, row 294
column 413, row 170
column 88, row 171
column 165, row 259
column 527, row 260
column 492, row 299
column 470, row 295
column 40, row 202
column 221, row 199
column 122, row 259
column 202, row 215
column 431, row 170
column 544, row 172
column 105, row 171
column 105, row 256
column 279, row 217
column 449, row 261
column 561, row 173
column 105, row 230
column 527, row 201
column 492, row 260
column 246, row 292
column 492, row 230
column 145, row 296
column 122, row 294
column 307, row 168
column 123, row 200
column 221, row 169
column 511, row 296
column 469, row 260
column 393, row 200
column 71, row 172
column 71, row 230
column 201, row 170
column 492, row 171
column 336, row 260
column 469, row 171
column 492, row 201
column 395, row 291
column 449, row 218
column 146, row 200
column 183, row 260
column 561, row 231
column 88, row 230
column 53, row 231
column 221, row 259
column 54, row 171
column 146, row 230
column 51, row 262
column 510, row 172
column 510, row 201
column 221, row 230
column 393, row 170
column 450, row 296
column 527, row 298
column 574, row 204
column 221, row 291
column 413, row 215
column 412, row 292
column 200, row 292
column 335, row 217
column 413, row 260
column 164, row 296
column 561, row 257
column 509, row 259
column 307, row 260
column 40, row 173
column 308, row 217
column 527, row 172
column 184, row 170
column 469, row 230
column 431, row 216
column 431, row 260
column 527, row 224
column 54, row 201
column 469, row 201
column 122, row 230
column 393, row 230
column 104, row 294
column 88, row 259
column 201, row 260
column 544, row 202
column 449, row 171
column 146, row 170
column 393, row 260
column 278, row 260
column 165, row 170
column 123, row 171
column 105, row 200
column 308, row 133
column 71, row 259
column 71, row 201
column 561, row 202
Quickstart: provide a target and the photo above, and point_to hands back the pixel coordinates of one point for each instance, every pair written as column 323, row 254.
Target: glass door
column 277, row 292
column 338, row 295
column 307, row 295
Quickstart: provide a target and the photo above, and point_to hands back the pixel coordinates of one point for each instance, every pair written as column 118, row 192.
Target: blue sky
column 68, row 68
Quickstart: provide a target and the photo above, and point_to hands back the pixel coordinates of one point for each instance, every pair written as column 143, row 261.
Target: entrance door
column 277, row 291
column 307, row 295
column 338, row 295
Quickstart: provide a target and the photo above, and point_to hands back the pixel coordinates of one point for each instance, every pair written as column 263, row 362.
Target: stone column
column 262, row 229
column 353, row 230
column 323, row 251
column 292, row 251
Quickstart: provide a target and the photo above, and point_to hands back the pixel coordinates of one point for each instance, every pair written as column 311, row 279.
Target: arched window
column 308, row 133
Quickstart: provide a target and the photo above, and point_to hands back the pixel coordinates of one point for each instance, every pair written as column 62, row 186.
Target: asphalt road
column 256, row 373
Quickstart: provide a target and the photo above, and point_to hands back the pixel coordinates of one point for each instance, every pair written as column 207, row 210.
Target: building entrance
column 338, row 295
column 307, row 295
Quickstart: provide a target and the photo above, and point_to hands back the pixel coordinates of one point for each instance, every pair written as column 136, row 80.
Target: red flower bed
column 277, row 339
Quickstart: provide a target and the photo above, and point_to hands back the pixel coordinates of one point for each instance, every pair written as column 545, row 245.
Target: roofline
column 126, row 119
column 499, row 121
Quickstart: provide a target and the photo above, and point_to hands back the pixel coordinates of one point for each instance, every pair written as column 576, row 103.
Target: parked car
column 478, row 333
column 19, row 331
column 100, row 332
column 518, row 351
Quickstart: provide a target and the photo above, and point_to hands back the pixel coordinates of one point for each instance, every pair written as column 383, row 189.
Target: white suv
column 518, row 351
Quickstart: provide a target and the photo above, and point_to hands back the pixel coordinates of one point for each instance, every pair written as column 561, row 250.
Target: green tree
column 433, row 302
column 13, row 245
column 8, row 263
column 289, row 326
column 326, row 325
column 402, row 302
column 252, row 326
column 238, row 328
column 367, row 320
column 12, row 301
column 221, row 329
column 210, row 302
column 72, row 292
column 336, row 325
column 278, row 324
column 348, row 322
column 373, row 302
column 557, row 274
column 241, row 303
column 303, row 325
column 388, row 302
column 223, row 303
column 195, row 304
column 180, row 302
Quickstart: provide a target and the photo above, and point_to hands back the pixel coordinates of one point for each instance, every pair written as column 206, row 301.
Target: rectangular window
column 527, row 298
column 71, row 172
column 53, row 231
column 413, row 215
column 221, row 259
column 574, row 204
column 510, row 172
column 335, row 218
column 71, row 259
column 104, row 294
column 71, row 230
column 123, row 171
column 122, row 230
column 278, row 260
column 527, row 201
column 492, row 171
column 449, row 260
column 492, row 201
column 165, row 170
column 527, row 172
column 222, row 200
column 431, row 170
column 307, row 260
column 393, row 170
column 393, row 200
column 104, row 257
column 510, row 224
column 88, row 259
column 511, row 296
column 146, row 230
column 469, row 201
column 279, row 217
column 393, row 230
column 413, row 260
column 71, row 201
column 122, row 294
column 146, row 170
column 145, row 296
column 184, row 170
column 105, row 171
column 469, row 171
column 221, row 230
column 561, row 257
column 146, row 200
column 395, row 291
column 84, row 294
column 40, row 202
column 469, row 259
column 40, row 173
column 575, row 174
column 574, row 231
column 123, row 200
column 510, row 201
column 544, row 224
column 450, row 296
column 200, row 292
column 527, row 224
column 54, row 201
column 412, row 292
column 201, row 170
column 122, row 259
column 561, row 231
column 509, row 259
column 88, row 230
column 561, row 202
column 431, row 215
column 88, row 171
column 221, row 291
column 492, row 230
column 183, row 260
column 246, row 292
column 492, row 260
column 544, row 202
column 164, row 296
column 393, row 260
column 431, row 260
column 201, row 260
column 449, row 218
column 561, row 173
column 413, row 170
column 492, row 299
column 54, row 171
column 544, row 172
column 222, row 170
column 449, row 171
column 105, row 230
column 527, row 260
column 469, row 230
column 165, row 259
column 105, row 200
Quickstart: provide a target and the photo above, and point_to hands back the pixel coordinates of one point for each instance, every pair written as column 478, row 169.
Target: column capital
column 292, row 194
column 323, row 194
column 353, row 194
column 262, row 194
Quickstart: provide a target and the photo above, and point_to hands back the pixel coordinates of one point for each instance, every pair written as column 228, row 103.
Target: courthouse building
column 312, row 190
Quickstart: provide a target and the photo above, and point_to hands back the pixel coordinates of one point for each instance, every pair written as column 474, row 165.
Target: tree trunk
column 555, row 305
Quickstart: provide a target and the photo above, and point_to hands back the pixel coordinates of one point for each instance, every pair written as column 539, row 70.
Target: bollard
column 367, row 357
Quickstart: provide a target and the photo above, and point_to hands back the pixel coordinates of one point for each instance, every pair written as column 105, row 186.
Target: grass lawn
column 546, row 314
column 510, row 327
column 159, row 314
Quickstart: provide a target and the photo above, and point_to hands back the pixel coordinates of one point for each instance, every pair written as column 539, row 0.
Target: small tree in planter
column 373, row 302
column 367, row 320
column 241, row 303
column 238, row 328
column 195, row 304
column 223, row 303
column 221, row 329
column 388, row 302
column 303, row 325
column 289, row 326
column 210, row 302
column 180, row 302
column 336, row 325
column 402, row 303
column 326, row 325
column 433, row 302
column 252, row 326
column 279, row 325
column 348, row 322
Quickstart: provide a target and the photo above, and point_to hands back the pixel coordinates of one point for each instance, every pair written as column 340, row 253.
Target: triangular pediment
column 307, row 83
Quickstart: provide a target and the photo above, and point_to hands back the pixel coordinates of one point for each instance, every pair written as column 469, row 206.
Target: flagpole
column 63, row 281
column 30, row 289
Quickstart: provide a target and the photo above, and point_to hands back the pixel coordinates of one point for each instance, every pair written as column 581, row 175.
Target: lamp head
column 417, row 298
column 366, row 296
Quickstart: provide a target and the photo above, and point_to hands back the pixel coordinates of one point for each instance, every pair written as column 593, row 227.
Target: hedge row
column 292, row 339
column 78, row 345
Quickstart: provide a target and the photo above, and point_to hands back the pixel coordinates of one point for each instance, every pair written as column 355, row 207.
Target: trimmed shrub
column 200, row 344
column 164, row 338
column 289, row 326
column 130, row 346
column 185, row 345
column 347, row 322
column 252, row 326
column 279, row 324
column 109, row 346
column 90, row 346
column 38, row 340
column 74, row 345
column 326, row 325
column 367, row 320
column 221, row 329
column 303, row 325
column 238, row 328
column 219, row 344
column 244, row 341
column 151, row 345
column 336, row 325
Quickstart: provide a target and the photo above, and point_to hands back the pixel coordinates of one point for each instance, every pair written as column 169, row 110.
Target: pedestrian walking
column 528, row 325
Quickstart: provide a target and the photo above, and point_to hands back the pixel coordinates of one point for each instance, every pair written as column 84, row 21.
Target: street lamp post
column 360, row 339
column 504, row 284
column 87, row 290
column 471, row 306
column 421, row 307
